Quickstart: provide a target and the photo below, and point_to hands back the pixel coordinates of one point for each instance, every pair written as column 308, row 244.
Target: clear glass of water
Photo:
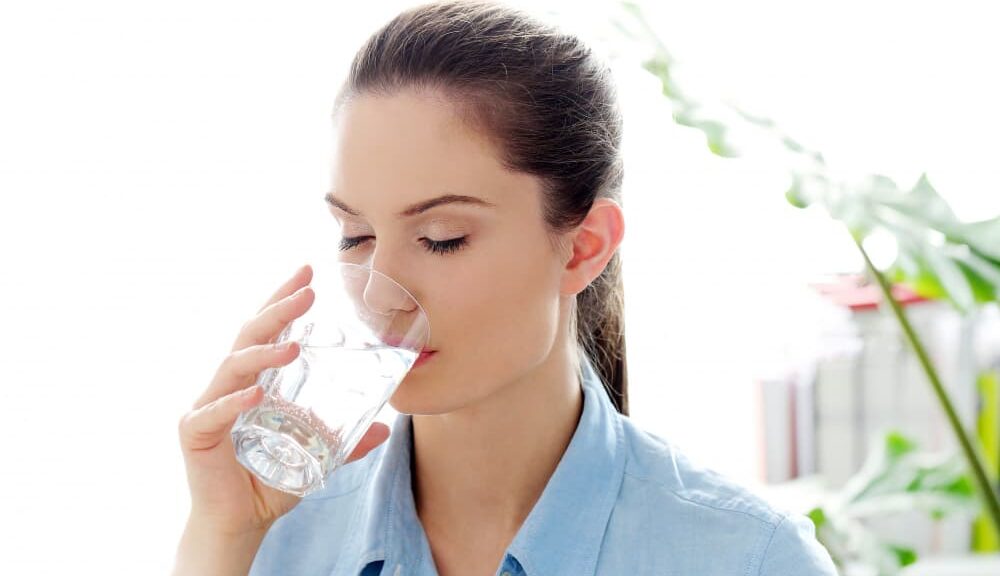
column 358, row 341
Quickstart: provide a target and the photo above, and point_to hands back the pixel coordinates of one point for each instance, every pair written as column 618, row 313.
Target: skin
column 497, row 403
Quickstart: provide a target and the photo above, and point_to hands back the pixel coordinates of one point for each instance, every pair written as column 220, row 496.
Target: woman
column 478, row 163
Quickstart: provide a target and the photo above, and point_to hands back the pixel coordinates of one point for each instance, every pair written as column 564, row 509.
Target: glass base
column 277, row 460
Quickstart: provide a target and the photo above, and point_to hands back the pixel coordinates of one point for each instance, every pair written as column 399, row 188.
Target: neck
column 478, row 471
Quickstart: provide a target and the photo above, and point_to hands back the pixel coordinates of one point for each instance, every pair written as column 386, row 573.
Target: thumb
column 377, row 433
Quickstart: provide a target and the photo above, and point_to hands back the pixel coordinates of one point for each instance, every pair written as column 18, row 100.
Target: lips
column 424, row 357
column 398, row 341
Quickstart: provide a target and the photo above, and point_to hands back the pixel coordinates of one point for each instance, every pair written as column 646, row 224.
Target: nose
column 384, row 296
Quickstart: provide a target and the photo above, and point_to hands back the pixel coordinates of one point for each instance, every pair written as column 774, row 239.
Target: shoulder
column 672, row 512
column 309, row 538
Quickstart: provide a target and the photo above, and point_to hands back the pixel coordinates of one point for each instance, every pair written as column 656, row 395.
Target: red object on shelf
column 852, row 291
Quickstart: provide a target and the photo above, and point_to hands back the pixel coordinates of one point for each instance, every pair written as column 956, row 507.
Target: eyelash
column 437, row 247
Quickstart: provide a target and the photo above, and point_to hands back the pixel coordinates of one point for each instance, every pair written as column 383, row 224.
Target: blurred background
column 161, row 165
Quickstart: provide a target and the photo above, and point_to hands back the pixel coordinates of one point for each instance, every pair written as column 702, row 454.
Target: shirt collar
column 559, row 536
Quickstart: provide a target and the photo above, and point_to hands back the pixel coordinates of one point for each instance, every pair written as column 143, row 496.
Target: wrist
column 205, row 549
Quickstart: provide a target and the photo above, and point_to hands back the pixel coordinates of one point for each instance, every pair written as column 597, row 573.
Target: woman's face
column 425, row 200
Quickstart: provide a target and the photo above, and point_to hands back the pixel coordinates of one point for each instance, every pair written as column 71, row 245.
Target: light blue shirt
column 621, row 502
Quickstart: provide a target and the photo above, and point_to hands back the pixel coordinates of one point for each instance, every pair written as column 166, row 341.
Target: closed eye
column 436, row 246
column 444, row 246
column 346, row 243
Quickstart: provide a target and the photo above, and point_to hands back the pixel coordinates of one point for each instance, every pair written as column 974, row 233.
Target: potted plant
column 939, row 257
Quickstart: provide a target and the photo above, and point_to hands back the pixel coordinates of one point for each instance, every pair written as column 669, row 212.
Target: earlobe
column 594, row 242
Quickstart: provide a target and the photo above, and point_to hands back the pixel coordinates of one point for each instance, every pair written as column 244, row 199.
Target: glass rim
column 422, row 312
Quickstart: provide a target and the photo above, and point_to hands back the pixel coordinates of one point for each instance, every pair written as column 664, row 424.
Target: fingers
column 377, row 433
column 268, row 324
column 301, row 277
column 239, row 369
column 206, row 427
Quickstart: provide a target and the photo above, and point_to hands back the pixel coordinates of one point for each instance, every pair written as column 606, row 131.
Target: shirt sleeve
column 793, row 549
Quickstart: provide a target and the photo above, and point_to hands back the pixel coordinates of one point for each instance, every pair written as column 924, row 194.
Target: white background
column 159, row 163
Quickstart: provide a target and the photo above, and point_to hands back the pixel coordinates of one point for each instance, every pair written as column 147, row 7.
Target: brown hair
column 547, row 103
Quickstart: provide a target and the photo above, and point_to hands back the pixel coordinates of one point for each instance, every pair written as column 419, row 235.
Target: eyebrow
column 419, row 207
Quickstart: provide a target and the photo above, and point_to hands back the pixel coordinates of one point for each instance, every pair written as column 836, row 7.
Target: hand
column 227, row 500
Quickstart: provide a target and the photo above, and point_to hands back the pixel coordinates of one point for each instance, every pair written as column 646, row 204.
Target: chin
column 416, row 396
column 424, row 392
column 407, row 400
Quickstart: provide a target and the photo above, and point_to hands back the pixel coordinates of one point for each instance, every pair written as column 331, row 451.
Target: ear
column 594, row 242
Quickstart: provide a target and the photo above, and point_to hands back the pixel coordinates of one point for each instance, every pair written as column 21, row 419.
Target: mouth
column 424, row 356
column 398, row 342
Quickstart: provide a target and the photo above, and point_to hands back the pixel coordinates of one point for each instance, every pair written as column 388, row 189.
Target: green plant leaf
column 806, row 189
column 684, row 115
column 922, row 203
column 951, row 278
column 983, row 237
column 880, row 471
column 906, row 268
column 792, row 145
column 880, row 188
column 796, row 195
column 922, row 206
column 715, row 131
column 854, row 211
column 912, row 269
column 948, row 478
column 879, row 504
column 932, row 272
column 935, row 208
column 659, row 65
column 905, row 556
column 818, row 516
column 961, row 486
column 760, row 121
column 897, row 445
column 719, row 146
column 896, row 477
column 983, row 289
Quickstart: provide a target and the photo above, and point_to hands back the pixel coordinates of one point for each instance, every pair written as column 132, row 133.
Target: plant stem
column 989, row 496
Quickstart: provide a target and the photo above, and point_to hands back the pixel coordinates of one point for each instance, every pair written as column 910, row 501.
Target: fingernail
column 282, row 346
column 247, row 396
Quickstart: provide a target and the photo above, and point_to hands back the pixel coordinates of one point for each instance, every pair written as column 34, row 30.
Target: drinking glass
column 359, row 339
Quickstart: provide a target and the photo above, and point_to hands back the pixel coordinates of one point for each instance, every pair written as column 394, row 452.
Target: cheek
column 494, row 316
column 501, row 302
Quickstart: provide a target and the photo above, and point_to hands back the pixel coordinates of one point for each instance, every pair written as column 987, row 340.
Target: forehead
column 409, row 146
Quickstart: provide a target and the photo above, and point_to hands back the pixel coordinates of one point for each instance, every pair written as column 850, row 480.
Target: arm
column 793, row 549
column 207, row 552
